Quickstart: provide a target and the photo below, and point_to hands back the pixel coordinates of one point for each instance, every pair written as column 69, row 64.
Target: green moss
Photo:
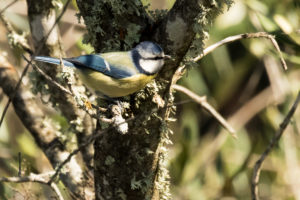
column 111, row 19
column 135, row 184
column 133, row 34
column 109, row 160
column 111, row 23
column 201, row 27
column 121, row 194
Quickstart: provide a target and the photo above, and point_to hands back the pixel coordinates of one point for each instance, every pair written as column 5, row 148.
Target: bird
column 116, row 74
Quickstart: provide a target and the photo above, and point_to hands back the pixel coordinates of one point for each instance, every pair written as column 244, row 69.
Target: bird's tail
column 53, row 61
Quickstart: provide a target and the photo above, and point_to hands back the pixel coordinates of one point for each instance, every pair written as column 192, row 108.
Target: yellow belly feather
column 114, row 87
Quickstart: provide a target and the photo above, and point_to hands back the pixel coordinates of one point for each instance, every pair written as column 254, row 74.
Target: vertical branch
column 35, row 178
column 275, row 139
column 42, row 130
column 45, row 33
column 20, row 164
column 41, row 20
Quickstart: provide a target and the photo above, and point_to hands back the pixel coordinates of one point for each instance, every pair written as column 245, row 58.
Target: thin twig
column 37, row 178
column 243, row 36
column 275, row 139
column 88, row 141
column 19, row 40
column 7, row 6
column 91, row 110
column 48, row 78
column 182, row 69
column 93, row 137
column 27, row 66
column 20, row 164
column 203, row 102
column 14, row 94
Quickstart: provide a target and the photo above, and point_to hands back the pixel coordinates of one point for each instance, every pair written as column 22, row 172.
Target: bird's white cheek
column 151, row 66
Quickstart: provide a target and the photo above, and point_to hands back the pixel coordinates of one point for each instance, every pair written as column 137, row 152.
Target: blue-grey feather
column 93, row 62
column 55, row 61
column 150, row 47
column 97, row 63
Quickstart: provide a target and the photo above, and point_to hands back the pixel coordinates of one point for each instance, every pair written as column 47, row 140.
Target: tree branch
column 37, row 124
column 25, row 106
column 243, row 36
column 275, row 139
column 182, row 69
column 203, row 102
column 42, row 20
column 55, row 152
column 7, row 6
column 36, row 178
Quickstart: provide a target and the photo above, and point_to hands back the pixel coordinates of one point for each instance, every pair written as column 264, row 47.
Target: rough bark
column 42, row 18
column 37, row 123
column 130, row 166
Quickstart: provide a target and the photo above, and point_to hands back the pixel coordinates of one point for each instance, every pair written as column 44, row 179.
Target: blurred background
column 243, row 80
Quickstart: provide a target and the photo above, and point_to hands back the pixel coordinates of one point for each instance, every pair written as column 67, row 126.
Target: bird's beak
column 167, row 56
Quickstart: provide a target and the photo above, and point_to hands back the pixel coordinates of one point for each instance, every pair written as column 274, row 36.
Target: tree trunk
column 131, row 165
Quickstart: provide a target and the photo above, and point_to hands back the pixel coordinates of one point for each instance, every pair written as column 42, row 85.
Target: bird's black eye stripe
column 154, row 58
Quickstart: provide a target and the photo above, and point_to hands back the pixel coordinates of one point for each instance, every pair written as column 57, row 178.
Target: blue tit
column 116, row 74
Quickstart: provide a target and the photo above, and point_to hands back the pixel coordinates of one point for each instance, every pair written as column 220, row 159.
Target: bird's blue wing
column 98, row 63
column 55, row 61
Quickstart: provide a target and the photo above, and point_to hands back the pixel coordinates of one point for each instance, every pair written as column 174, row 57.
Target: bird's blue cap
column 152, row 47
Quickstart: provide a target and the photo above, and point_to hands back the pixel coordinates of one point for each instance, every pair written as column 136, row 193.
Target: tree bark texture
column 42, row 18
column 131, row 166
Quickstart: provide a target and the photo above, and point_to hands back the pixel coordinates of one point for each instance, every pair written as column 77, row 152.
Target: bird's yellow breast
column 114, row 87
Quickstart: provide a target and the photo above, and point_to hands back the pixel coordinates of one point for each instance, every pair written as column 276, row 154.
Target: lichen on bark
column 133, row 166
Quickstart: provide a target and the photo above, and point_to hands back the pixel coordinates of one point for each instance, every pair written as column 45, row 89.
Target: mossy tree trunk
column 131, row 166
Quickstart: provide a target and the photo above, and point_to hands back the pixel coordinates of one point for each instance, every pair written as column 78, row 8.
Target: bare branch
column 182, row 69
column 16, row 39
column 36, row 178
column 49, row 79
column 42, row 19
column 203, row 102
column 35, row 121
column 238, row 119
column 88, row 141
column 13, row 94
column 275, row 139
column 6, row 7
column 25, row 106
column 20, row 164
column 243, row 36
column 9, row 27
column 92, row 109
column 74, row 174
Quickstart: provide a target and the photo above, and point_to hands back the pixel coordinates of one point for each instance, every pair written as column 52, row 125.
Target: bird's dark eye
column 158, row 58
column 154, row 58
